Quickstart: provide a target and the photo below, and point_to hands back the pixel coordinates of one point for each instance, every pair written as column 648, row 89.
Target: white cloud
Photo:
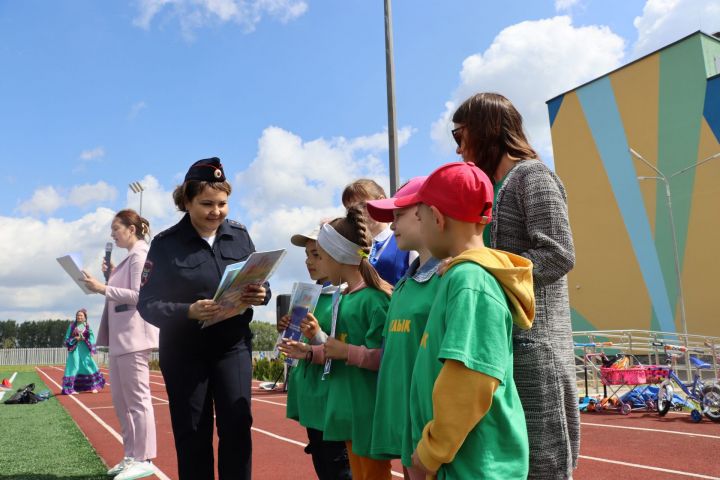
column 136, row 108
column 32, row 284
column 82, row 195
column 148, row 10
column 193, row 14
column 529, row 63
column 95, row 153
column 565, row 5
column 45, row 200
column 288, row 172
column 665, row 21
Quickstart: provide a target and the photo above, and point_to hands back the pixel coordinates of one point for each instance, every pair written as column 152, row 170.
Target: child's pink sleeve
column 318, row 357
column 363, row 357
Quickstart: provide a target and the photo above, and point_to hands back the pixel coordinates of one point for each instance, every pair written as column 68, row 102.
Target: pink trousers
column 130, row 387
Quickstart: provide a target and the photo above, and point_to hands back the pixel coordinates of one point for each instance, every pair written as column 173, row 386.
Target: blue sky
column 290, row 94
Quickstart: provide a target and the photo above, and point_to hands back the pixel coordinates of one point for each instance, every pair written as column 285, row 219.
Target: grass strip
column 42, row 441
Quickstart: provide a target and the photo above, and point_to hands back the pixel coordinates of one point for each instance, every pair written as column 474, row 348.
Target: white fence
column 33, row 356
column 58, row 356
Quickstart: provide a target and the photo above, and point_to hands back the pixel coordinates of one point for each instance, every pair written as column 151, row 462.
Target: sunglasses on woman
column 457, row 135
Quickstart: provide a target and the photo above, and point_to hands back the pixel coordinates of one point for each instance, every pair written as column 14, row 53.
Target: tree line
column 38, row 334
column 51, row 334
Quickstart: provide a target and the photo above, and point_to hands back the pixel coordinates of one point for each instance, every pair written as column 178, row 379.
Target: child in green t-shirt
column 359, row 315
column 307, row 393
column 467, row 420
column 407, row 316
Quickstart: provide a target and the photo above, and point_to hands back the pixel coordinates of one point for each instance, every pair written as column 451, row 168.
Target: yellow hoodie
column 458, row 410
column 514, row 273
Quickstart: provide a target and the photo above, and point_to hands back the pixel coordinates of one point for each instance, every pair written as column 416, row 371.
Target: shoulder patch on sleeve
column 147, row 270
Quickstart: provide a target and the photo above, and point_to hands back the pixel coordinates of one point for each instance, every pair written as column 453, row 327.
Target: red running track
column 638, row 446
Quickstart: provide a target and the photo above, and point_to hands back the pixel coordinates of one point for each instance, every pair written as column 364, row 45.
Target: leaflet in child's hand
column 303, row 299
column 257, row 269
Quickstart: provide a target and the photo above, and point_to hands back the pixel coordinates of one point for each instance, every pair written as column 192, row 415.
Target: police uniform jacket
column 182, row 268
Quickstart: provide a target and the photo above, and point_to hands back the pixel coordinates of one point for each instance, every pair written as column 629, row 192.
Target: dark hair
column 361, row 190
column 494, row 128
column 192, row 188
column 354, row 228
column 130, row 217
column 83, row 311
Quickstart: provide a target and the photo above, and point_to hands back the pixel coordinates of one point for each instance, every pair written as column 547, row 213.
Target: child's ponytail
column 359, row 233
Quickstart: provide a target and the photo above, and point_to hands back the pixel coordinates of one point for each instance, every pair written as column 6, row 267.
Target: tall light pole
column 668, row 197
column 390, row 79
column 137, row 187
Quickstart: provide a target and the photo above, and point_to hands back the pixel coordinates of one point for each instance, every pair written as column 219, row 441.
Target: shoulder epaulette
column 168, row 231
column 237, row 225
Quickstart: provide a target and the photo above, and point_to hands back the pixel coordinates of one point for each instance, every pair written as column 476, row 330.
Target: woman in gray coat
column 530, row 218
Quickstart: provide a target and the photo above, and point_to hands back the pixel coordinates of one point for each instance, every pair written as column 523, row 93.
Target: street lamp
column 668, row 197
column 137, row 187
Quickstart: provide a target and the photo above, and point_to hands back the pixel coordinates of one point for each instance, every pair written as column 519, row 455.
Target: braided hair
column 354, row 228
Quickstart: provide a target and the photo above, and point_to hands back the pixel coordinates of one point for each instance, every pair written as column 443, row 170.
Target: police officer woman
column 204, row 369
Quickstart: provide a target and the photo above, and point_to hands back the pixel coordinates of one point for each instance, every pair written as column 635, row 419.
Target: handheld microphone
column 108, row 252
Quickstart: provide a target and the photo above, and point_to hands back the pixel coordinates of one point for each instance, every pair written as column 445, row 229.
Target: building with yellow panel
column 666, row 107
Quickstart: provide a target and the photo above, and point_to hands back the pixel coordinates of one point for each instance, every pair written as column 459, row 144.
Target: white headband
column 338, row 247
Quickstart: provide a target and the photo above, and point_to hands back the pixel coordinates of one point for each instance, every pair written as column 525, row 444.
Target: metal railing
column 649, row 347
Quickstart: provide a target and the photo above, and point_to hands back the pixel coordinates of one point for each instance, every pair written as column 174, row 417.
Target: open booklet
column 72, row 264
column 303, row 299
column 258, row 267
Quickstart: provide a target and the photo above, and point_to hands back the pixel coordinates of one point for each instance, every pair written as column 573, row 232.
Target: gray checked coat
column 530, row 218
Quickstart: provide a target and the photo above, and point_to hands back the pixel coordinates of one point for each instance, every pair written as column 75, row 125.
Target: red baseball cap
column 459, row 190
column 382, row 210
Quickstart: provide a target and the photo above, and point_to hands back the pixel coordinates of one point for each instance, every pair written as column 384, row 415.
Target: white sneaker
column 120, row 466
column 137, row 470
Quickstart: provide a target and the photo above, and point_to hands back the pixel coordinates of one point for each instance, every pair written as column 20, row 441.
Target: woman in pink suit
column 130, row 340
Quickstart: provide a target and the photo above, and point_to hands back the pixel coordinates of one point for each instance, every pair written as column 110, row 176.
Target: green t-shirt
column 470, row 322
column 351, row 393
column 307, row 393
column 406, row 319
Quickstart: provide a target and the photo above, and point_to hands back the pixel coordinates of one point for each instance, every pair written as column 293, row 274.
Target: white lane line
column 278, row 437
column 268, row 401
column 647, row 467
column 299, row 444
column 108, row 384
column 703, row 435
column 107, row 427
column 278, row 395
column 107, row 408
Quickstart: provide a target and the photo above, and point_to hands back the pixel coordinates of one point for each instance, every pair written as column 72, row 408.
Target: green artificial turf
column 42, row 441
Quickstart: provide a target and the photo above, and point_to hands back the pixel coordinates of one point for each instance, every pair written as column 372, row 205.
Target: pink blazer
column 126, row 331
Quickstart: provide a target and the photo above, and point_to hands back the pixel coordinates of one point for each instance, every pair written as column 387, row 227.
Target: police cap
column 206, row 170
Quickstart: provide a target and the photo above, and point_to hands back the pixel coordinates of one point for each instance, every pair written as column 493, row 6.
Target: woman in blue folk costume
column 81, row 371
